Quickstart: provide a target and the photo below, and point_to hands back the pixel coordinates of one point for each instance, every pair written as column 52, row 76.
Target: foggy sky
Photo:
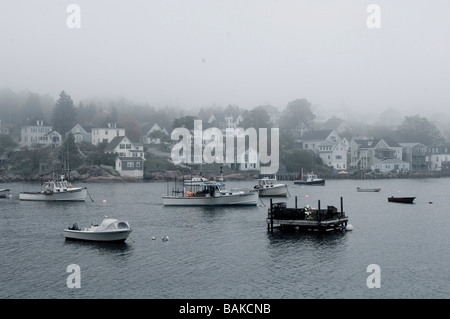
column 242, row 52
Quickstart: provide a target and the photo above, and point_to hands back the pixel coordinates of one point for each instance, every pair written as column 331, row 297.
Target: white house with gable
column 130, row 159
column 38, row 132
column 106, row 134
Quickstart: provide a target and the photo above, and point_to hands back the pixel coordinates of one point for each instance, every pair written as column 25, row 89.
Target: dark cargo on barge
column 307, row 218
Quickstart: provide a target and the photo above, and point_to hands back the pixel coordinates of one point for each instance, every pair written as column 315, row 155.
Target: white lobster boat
column 269, row 187
column 56, row 190
column 211, row 194
column 110, row 230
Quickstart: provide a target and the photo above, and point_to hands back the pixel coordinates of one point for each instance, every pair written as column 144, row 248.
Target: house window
column 122, row 146
column 130, row 164
column 138, row 164
column 128, row 146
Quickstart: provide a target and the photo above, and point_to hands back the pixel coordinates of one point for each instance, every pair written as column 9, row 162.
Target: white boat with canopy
column 110, row 230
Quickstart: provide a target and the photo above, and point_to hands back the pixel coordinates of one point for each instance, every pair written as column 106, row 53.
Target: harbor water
column 227, row 252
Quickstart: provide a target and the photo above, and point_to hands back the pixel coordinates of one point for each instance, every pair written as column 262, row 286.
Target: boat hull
column 404, row 200
column 71, row 195
column 368, row 189
column 275, row 191
column 106, row 236
column 240, row 199
column 312, row 183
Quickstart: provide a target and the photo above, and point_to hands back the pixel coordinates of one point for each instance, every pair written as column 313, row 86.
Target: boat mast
column 67, row 159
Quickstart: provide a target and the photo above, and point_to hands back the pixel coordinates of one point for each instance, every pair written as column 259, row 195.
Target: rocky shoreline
column 100, row 174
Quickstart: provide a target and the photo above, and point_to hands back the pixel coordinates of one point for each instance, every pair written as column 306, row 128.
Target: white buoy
column 349, row 227
column 104, row 201
column 153, row 238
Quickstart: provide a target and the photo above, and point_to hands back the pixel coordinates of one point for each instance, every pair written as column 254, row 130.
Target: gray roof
column 33, row 122
column 332, row 123
column 136, row 158
column 113, row 144
column 392, row 161
column 317, row 135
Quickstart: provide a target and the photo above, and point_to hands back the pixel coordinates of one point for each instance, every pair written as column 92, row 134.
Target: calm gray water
column 228, row 252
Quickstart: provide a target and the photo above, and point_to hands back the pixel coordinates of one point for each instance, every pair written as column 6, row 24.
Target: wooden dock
column 306, row 218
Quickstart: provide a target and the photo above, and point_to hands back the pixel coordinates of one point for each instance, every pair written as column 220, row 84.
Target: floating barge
column 307, row 218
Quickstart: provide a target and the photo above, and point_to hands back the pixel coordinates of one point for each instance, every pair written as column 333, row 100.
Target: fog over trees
column 18, row 108
column 298, row 116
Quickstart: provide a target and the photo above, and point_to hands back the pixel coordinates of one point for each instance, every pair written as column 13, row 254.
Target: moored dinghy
column 360, row 189
column 110, row 230
column 404, row 200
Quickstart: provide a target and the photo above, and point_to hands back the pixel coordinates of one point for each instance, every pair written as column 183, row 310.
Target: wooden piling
column 318, row 211
column 271, row 216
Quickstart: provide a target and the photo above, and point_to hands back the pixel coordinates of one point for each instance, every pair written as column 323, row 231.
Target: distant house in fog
column 366, row 152
column 123, row 146
column 33, row 133
column 312, row 139
column 107, row 133
column 130, row 166
column 333, row 154
column 390, row 118
column 130, row 159
column 52, row 139
column 150, row 137
column 80, row 134
column 438, row 156
column 391, row 165
column 416, row 155
column 3, row 130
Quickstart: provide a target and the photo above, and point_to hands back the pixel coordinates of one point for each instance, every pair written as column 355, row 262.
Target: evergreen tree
column 297, row 112
column 64, row 114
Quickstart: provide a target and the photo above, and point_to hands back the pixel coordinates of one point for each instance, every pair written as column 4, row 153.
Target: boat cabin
column 204, row 190
column 266, row 182
column 53, row 186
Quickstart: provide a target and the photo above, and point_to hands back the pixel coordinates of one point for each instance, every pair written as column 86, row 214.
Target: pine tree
column 64, row 114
